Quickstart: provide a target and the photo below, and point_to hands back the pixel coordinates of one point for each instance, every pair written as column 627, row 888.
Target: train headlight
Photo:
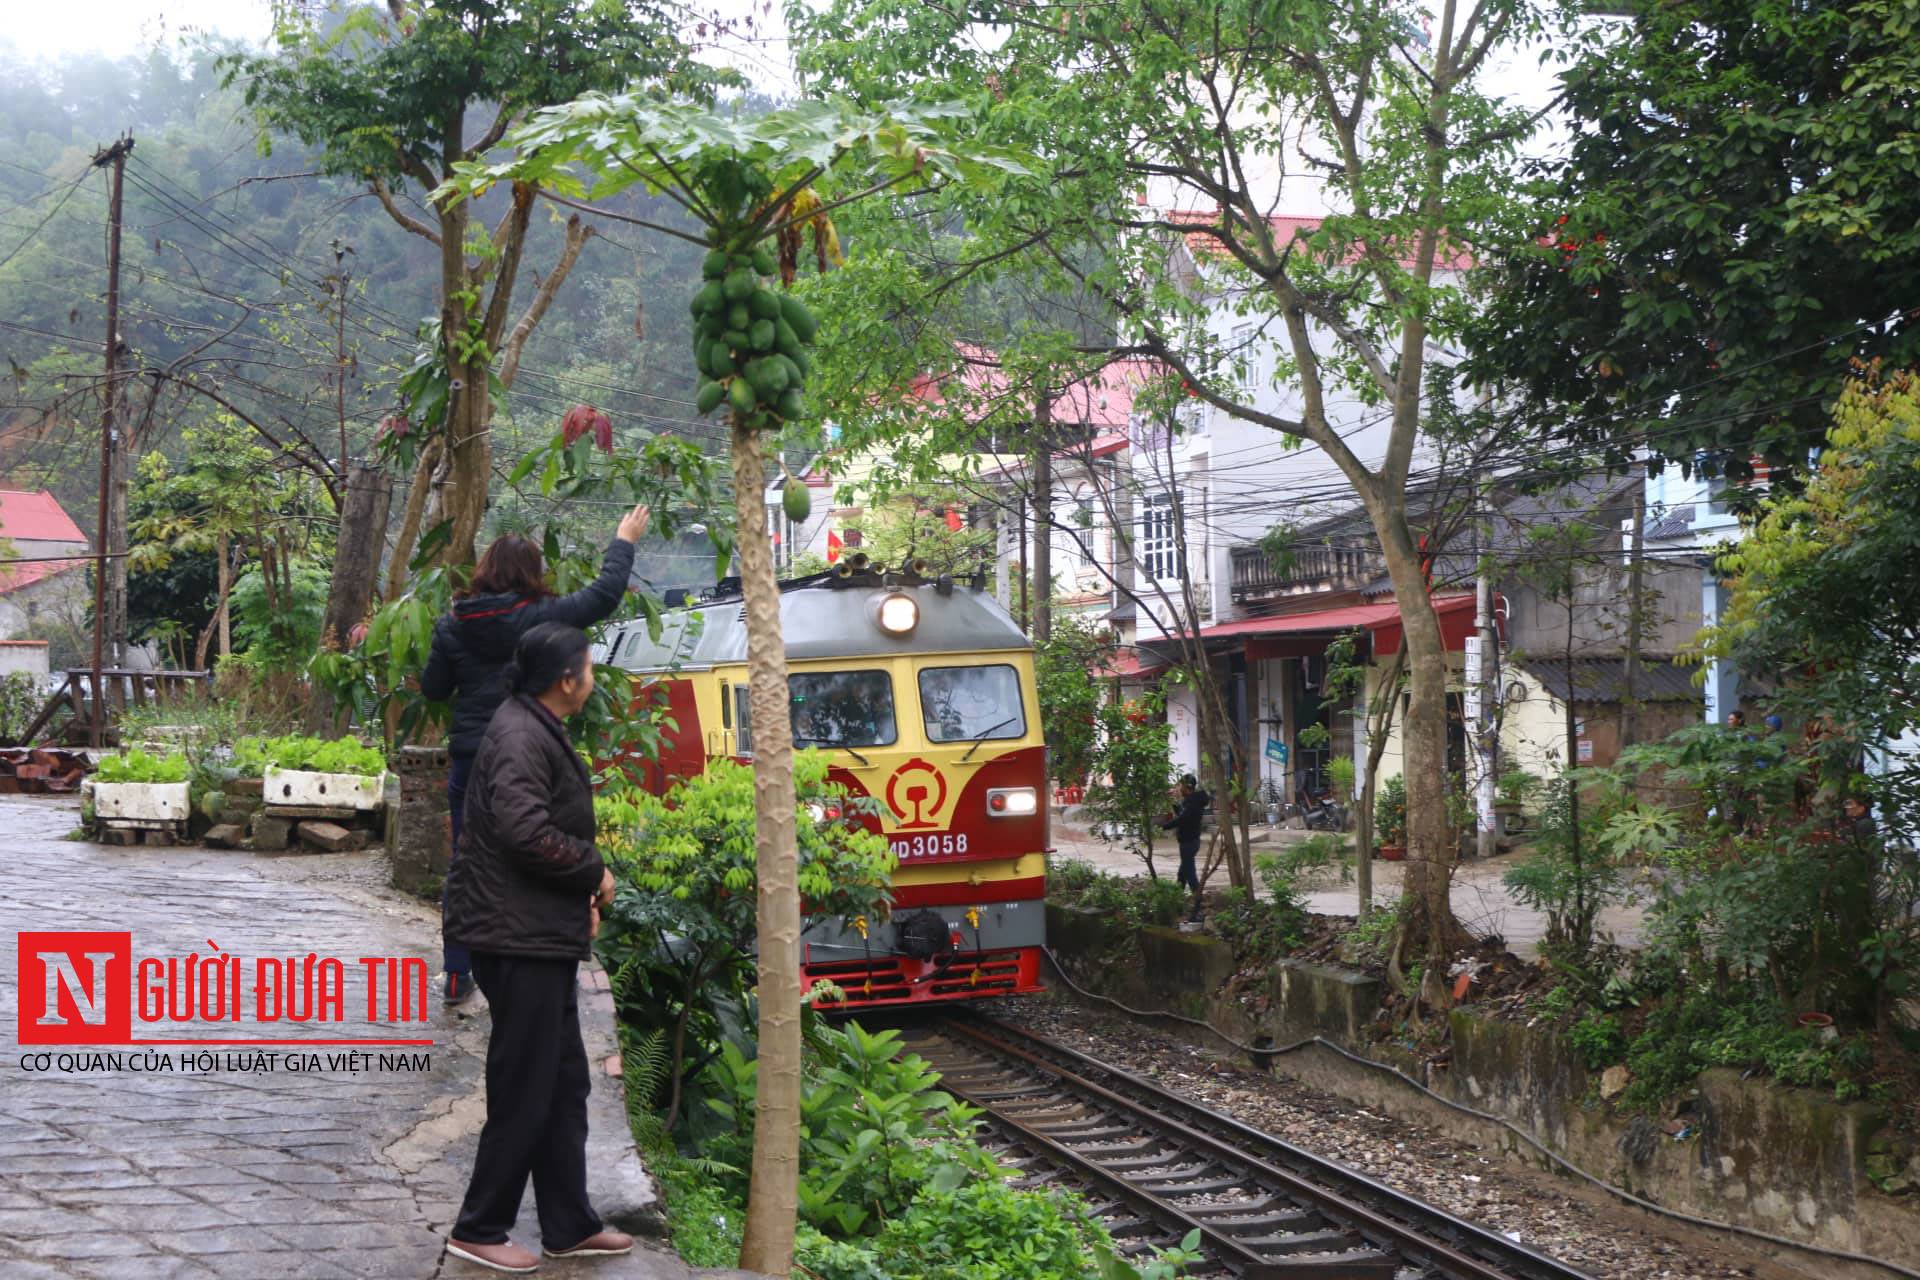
column 1012, row 802
column 899, row 614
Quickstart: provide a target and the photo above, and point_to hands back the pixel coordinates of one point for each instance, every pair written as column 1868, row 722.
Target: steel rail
column 1404, row 1231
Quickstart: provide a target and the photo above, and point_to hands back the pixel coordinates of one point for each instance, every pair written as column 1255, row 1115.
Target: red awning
column 1383, row 620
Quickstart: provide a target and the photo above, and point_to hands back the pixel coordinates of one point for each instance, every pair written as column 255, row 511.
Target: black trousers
column 1189, row 877
column 537, row 1085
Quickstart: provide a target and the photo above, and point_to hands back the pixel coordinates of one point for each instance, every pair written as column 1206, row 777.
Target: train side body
column 939, row 726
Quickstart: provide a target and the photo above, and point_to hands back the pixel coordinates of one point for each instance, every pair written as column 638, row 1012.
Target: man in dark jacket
column 507, row 595
column 523, row 897
column 1185, row 822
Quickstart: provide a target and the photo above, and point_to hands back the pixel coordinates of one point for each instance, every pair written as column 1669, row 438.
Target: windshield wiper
column 989, row 732
column 839, row 746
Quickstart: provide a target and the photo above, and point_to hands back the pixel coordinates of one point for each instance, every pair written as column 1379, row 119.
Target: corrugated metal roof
column 36, row 517
column 1605, row 680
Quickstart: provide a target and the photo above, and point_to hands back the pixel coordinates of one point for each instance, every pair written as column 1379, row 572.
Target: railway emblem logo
column 915, row 792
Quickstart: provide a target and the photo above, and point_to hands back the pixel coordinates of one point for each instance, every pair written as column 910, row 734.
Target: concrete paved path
column 265, row 1174
column 1481, row 900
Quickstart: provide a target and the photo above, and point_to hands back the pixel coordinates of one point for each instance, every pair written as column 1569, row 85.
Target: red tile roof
column 24, row 574
column 36, row 517
column 1101, row 400
column 1381, row 619
column 1286, row 229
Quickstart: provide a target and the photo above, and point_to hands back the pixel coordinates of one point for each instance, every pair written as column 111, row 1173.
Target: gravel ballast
column 1602, row 1237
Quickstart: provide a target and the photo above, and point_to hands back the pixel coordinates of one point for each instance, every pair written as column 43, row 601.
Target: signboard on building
column 1276, row 751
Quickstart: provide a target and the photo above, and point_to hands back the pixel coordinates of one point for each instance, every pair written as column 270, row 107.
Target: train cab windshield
column 842, row 709
column 967, row 704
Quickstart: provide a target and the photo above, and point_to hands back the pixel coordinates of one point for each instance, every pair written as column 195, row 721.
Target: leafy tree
column 916, row 526
column 1735, row 221
column 1133, row 767
column 1065, row 665
column 399, row 97
column 750, row 183
column 1160, row 122
column 231, row 503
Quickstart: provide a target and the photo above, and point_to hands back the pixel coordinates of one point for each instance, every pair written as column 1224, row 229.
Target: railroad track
column 1156, row 1167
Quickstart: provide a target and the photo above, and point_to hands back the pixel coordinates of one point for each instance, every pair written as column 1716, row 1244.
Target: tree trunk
column 773, row 1194
column 225, row 615
column 368, row 493
column 1430, row 927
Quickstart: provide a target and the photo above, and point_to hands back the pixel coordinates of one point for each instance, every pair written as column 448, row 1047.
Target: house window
column 1159, row 538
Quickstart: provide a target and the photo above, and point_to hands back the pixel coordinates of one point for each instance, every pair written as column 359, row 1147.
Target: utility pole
column 114, row 158
column 1483, row 682
column 339, row 284
column 1636, row 617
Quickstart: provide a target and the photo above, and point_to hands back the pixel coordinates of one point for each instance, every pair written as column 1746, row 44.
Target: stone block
column 271, row 835
column 417, row 832
column 329, row 836
column 244, row 788
column 227, row 835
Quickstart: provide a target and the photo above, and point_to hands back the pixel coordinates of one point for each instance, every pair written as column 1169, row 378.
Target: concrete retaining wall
column 1790, row 1162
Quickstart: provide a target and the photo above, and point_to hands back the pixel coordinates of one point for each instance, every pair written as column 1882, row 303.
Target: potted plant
column 1511, row 791
column 139, row 786
column 1340, row 773
column 1390, row 819
column 342, row 773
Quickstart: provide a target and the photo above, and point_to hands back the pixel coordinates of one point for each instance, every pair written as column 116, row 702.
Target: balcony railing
column 1314, row 568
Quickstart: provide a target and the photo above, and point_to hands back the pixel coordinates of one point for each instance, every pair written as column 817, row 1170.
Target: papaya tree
column 759, row 186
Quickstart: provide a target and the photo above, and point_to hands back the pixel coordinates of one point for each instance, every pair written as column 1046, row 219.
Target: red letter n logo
column 76, row 988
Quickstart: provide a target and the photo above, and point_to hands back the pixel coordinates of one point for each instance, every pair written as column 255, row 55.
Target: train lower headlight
column 899, row 614
column 1012, row 802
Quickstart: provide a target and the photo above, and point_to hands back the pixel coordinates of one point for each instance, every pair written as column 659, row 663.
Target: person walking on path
column 524, row 897
column 471, row 644
column 1185, row 822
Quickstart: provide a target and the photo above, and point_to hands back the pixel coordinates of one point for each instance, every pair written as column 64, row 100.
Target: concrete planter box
column 141, row 801
column 307, row 789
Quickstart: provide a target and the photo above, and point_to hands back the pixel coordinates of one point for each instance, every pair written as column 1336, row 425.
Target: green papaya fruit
column 761, row 335
column 707, row 297
column 740, row 284
column 765, row 304
column 711, row 325
column 735, row 338
column 739, row 316
column 791, row 404
column 802, row 361
column 708, row 398
column 741, row 394
column 769, row 379
column 715, row 265
column 763, row 261
column 720, row 362
column 798, row 501
column 785, row 339
column 796, row 314
column 740, row 262
column 790, row 367
column 702, row 353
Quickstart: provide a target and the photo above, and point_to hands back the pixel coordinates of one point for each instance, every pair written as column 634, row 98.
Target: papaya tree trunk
column 773, row 1193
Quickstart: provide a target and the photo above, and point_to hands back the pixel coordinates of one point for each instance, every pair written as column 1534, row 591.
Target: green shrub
column 1597, row 1040
column 141, row 766
column 1686, row 1035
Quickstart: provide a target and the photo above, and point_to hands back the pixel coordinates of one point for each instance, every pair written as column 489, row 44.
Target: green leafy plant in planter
column 1512, row 789
column 141, row 766
column 254, row 756
column 1390, row 818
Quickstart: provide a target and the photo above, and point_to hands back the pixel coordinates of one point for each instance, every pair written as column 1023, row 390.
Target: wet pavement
column 321, row 1167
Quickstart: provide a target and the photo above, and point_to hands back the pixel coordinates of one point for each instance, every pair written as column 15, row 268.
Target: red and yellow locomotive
column 923, row 692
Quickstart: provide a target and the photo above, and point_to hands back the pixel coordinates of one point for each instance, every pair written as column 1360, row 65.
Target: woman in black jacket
column 471, row 644
column 524, row 897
